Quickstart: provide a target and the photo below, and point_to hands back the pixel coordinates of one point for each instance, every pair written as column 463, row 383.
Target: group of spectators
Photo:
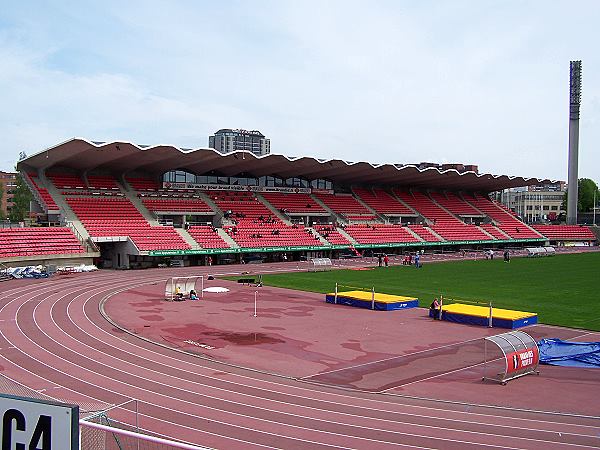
column 179, row 296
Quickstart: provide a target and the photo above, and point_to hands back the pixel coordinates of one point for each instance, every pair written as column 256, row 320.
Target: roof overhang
column 124, row 157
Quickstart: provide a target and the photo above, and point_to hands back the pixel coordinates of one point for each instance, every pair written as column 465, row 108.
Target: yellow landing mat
column 380, row 298
column 484, row 311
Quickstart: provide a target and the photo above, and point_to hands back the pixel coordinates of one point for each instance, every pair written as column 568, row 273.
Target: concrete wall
column 117, row 253
column 46, row 260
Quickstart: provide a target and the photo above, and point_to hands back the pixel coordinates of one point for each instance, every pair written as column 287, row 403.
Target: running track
column 54, row 339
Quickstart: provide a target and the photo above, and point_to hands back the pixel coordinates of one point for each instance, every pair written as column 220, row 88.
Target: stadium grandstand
column 122, row 205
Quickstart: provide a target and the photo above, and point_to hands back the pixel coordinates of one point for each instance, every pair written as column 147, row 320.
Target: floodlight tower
column 574, row 104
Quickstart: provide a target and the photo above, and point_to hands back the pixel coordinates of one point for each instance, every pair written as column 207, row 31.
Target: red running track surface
column 55, row 339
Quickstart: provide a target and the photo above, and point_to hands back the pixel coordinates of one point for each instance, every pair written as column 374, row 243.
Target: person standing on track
column 386, row 260
column 435, row 309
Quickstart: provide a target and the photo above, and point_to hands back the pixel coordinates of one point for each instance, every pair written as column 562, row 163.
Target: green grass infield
column 562, row 290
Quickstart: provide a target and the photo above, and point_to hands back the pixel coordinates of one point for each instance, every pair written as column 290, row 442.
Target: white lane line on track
column 293, row 405
column 419, row 407
column 102, row 330
column 462, row 368
column 38, row 327
column 392, row 358
column 184, row 380
column 100, row 401
column 329, row 393
column 311, row 391
column 207, row 407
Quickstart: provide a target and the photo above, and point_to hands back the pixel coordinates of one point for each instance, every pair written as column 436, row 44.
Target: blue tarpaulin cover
column 571, row 354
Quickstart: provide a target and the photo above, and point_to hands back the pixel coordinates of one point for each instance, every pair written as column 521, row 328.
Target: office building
column 227, row 140
column 8, row 183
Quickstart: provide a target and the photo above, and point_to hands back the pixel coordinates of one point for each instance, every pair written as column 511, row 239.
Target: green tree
column 22, row 197
column 586, row 189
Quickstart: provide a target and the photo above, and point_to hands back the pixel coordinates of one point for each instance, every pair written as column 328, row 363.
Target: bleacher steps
column 443, row 208
column 524, row 224
column 347, row 236
column 133, row 198
column 501, row 232
column 187, row 238
column 317, row 234
column 35, row 193
column 209, row 201
column 399, row 200
column 460, row 195
column 58, row 198
column 284, row 218
column 69, row 216
column 486, row 233
column 337, row 218
column 228, row 239
column 435, row 234
column 419, row 238
column 375, row 213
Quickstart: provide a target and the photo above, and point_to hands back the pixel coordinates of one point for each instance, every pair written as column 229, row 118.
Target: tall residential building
column 228, row 140
column 8, row 182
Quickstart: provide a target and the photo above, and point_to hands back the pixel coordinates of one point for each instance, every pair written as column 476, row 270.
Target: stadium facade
column 132, row 206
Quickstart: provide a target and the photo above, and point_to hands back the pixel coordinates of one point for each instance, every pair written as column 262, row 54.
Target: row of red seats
column 491, row 229
column 376, row 234
column 424, row 233
column 426, row 207
column 43, row 192
column 455, row 204
column 241, row 204
column 176, row 205
column 331, row 234
column 566, row 232
column 102, row 182
column 207, row 236
column 294, row 203
column 247, row 234
column 343, row 204
column 142, row 184
column 506, row 221
column 38, row 241
column 119, row 217
column 66, row 180
column 460, row 232
column 382, row 202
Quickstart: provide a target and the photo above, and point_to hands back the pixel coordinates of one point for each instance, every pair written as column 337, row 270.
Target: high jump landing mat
column 362, row 299
column 479, row 315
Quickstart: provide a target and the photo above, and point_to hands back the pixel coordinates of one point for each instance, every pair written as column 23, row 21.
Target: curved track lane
column 54, row 338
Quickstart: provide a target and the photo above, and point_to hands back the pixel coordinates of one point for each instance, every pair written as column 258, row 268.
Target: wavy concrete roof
column 123, row 157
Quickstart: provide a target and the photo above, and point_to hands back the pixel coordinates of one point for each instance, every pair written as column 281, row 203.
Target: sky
column 477, row 82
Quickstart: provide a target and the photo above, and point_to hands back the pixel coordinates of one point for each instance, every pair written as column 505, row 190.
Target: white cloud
column 474, row 82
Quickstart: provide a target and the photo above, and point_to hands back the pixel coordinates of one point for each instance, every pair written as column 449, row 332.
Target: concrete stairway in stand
column 133, row 198
column 317, row 234
column 284, row 218
column 188, row 238
column 227, row 238
column 347, row 236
